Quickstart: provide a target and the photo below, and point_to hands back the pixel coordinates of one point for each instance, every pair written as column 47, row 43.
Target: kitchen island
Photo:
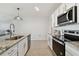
column 14, row 47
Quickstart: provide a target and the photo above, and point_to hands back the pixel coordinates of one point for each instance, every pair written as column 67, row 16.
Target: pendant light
column 18, row 16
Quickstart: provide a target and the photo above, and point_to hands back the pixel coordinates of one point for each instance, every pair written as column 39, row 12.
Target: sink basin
column 14, row 38
column 4, row 45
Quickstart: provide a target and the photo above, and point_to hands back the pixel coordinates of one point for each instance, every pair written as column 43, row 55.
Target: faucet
column 12, row 30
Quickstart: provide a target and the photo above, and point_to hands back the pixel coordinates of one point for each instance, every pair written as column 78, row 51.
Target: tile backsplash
column 69, row 27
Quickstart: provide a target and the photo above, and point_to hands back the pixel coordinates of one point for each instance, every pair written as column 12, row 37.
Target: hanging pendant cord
column 18, row 11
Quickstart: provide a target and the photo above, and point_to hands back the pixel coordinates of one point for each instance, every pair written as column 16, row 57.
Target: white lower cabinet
column 21, row 48
column 26, row 45
column 11, row 52
column 50, row 41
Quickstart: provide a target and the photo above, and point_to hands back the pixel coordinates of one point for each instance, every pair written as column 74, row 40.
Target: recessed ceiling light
column 36, row 8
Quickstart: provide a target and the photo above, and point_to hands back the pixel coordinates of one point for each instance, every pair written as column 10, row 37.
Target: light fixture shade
column 36, row 8
column 18, row 17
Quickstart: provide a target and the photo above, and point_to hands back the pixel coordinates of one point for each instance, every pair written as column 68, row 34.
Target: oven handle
column 58, row 41
column 68, row 17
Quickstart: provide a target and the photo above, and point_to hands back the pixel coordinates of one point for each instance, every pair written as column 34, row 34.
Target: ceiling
column 8, row 10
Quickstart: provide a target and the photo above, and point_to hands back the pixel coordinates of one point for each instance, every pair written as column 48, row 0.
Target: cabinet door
column 50, row 41
column 55, row 17
column 25, row 45
column 53, row 21
column 21, row 48
column 77, row 12
column 11, row 52
column 69, row 5
column 61, row 9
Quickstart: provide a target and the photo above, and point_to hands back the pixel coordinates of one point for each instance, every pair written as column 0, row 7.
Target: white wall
column 37, row 26
column 4, row 25
column 50, row 25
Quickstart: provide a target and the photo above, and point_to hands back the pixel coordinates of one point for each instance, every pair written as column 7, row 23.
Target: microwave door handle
column 67, row 16
column 73, row 14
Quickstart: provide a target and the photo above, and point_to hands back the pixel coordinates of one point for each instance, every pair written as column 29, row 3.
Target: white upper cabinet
column 69, row 5
column 53, row 23
column 61, row 9
column 55, row 18
column 77, row 12
column 64, row 7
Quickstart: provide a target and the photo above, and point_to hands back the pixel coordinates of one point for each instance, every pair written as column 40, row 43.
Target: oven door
column 58, row 47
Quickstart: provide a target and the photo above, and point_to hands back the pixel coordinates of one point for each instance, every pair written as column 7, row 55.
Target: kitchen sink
column 15, row 37
column 4, row 45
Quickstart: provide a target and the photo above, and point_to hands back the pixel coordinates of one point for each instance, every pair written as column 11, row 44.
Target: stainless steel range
column 71, row 35
column 58, row 43
column 62, row 36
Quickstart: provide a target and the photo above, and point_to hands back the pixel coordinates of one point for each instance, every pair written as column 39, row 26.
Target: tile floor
column 40, row 48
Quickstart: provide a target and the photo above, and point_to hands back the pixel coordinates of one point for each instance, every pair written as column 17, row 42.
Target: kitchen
column 39, row 29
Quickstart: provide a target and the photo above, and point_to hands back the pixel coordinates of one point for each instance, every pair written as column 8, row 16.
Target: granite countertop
column 73, row 43
column 9, row 43
column 73, row 47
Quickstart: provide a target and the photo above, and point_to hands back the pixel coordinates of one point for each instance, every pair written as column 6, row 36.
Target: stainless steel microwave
column 69, row 17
